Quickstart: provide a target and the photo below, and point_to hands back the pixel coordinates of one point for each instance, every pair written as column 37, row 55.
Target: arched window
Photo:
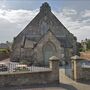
column 44, row 27
column 48, row 51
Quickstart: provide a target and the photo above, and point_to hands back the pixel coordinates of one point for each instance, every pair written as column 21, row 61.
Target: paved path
column 42, row 87
column 5, row 61
column 79, row 86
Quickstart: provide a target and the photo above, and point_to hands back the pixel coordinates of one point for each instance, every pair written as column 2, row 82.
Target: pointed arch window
column 49, row 50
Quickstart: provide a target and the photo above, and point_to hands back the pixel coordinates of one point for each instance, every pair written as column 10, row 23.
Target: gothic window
column 48, row 50
column 43, row 27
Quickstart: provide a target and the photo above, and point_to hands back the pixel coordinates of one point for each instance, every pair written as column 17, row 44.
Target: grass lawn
column 4, row 50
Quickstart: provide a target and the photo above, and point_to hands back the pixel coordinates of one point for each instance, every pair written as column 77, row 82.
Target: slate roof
column 33, row 30
column 4, row 46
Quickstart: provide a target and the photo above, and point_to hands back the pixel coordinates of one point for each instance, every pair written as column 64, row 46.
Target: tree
column 88, row 44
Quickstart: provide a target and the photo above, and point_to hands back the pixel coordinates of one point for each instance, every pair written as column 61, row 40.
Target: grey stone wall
column 37, row 28
column 18, row 79
column 86, row 73
column 48, row 38
column 78, row 71
column 29, row 78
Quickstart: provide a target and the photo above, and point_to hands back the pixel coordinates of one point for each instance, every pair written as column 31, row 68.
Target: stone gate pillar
column 76, row 67
column 54, row 66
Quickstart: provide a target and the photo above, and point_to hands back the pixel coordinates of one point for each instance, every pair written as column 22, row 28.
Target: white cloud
column 86, row 13
column 68, row 12
column 13, row 21
column 18, row 16
column 78, row 26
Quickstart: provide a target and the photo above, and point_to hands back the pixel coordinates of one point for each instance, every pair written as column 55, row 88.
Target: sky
column 16, row 14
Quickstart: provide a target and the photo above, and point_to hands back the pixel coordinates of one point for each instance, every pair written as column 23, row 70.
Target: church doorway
column 48, row 51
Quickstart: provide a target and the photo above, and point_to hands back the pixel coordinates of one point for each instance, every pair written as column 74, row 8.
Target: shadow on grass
column 40, row 86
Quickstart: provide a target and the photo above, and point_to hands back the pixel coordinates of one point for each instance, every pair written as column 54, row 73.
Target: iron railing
column 16, row 67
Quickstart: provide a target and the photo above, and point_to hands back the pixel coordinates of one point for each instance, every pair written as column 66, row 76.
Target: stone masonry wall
column 49, row 37
column 34, row 77
column 78, row 71
column 19, row 79
column 86, row 73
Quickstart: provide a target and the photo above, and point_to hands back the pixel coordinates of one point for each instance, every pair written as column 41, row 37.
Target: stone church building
column 42, row 38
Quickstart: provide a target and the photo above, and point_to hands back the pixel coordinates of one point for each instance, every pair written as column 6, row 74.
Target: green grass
column 88, row 49
column 4, row 50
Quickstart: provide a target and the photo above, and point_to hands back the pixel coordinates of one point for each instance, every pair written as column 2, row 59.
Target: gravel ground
column 79, row 86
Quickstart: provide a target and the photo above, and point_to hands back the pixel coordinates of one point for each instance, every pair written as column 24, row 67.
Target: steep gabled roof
column 46, row 35
column 34, row 27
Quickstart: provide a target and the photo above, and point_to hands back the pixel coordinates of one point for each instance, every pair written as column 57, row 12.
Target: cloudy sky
column 16, row 14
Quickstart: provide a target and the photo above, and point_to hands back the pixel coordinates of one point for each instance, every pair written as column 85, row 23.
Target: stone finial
column 53, row 58
column 45, row 7
column 76, row 57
